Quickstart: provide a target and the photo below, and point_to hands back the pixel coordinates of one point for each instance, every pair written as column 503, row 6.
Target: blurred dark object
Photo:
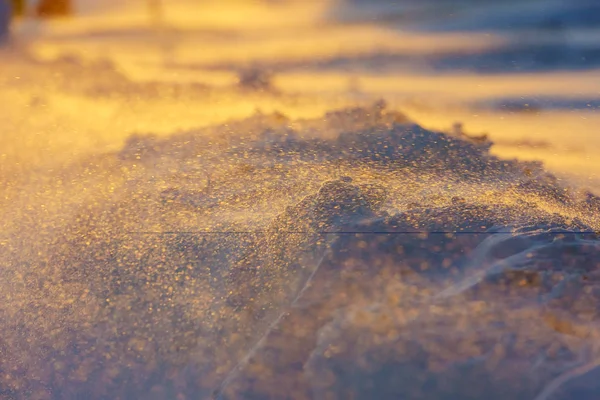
column 53, row 8
column 255, row 79
column 5, row 17
column 18, row 7
column 42, row 8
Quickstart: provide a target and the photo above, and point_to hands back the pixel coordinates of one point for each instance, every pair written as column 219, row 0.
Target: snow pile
column 357, row 254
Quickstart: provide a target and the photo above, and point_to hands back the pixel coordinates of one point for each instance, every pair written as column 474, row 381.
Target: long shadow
column 517, row 58
column 541, row 35
column 509, row 58
column 537, row 104
column 471, row 15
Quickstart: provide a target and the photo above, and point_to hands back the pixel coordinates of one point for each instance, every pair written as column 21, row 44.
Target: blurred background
column 523, row 72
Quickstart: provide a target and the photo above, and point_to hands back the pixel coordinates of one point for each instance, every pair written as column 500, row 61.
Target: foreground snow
column 354, row 254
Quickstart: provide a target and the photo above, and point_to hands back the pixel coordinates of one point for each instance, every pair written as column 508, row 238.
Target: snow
column 277, row 199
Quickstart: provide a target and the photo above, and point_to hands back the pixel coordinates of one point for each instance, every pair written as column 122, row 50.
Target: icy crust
column 354, row 255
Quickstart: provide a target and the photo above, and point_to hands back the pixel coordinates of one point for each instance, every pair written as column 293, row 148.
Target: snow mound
column 357, row 254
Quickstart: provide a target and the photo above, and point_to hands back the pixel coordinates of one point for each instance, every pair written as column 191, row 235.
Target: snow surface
column 198, row 207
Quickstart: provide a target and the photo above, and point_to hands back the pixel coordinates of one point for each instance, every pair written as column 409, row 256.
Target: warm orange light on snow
column 318, row 62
